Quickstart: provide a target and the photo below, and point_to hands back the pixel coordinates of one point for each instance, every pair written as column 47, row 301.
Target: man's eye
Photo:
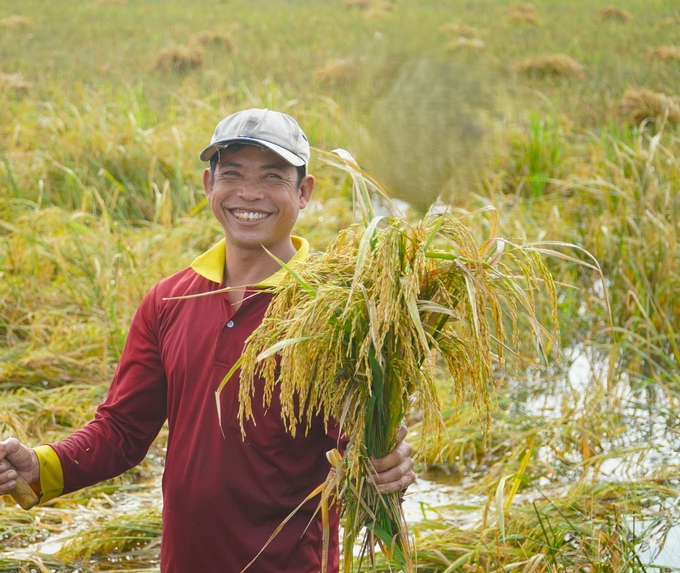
column 272, row 176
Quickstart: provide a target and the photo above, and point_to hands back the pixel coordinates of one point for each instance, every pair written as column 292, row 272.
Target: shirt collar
column 210, row 265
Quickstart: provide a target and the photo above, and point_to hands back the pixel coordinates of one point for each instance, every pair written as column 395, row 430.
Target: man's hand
column 395, row 470
column 25, row 462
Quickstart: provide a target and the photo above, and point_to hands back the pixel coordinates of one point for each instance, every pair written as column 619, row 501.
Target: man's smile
column 243, row 215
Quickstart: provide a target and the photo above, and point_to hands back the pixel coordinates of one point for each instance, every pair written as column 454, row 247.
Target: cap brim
column 290, row 157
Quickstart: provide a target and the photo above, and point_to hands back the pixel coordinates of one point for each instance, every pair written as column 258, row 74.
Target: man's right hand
column 25, row 462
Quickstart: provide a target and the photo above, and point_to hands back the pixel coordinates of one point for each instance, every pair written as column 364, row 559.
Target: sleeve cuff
column 51, row 473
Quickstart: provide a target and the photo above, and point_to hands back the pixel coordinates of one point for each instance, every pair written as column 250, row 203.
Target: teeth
column 249, row 216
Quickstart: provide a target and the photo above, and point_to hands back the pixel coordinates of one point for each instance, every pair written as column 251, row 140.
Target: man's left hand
column 394, row 472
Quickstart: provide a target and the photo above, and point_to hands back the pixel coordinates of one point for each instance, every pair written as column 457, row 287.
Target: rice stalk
column 550, row 65
column 127, row 536
column 339, row 70
column 670, row 21
column 523, row 12
column 614, row 13
column 589, row 527
column 664, row 53
column 352, row 335
column 15, row 21
column 179, row 58
column 640, row 104
column 214, row 38
column 14, row 83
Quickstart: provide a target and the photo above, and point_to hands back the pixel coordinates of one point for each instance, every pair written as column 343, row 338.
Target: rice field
column 563, row 117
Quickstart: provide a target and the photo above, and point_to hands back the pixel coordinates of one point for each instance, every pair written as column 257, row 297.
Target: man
column 223, row 495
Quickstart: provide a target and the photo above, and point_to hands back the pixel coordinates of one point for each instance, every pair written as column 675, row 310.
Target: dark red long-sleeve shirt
column 223, row 496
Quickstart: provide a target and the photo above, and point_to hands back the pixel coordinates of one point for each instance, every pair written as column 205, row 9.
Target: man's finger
column 402, row 451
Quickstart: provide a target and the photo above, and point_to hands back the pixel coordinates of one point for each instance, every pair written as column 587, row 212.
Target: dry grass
column 664, row 53
column 114, row 2
column 550, row 65
column 15, row 22
column 180, row 58
column 214, row 38
column 338, row 71
column 670, row 21
column 463, row 42
column 614, row 13
column 640, row 104
column 14, row 83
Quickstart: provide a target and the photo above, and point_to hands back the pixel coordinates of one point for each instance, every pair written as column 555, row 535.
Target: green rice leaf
column 308, row 288
column 283, row 344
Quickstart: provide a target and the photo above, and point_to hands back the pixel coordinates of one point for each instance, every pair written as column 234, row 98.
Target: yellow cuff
column 51, row 473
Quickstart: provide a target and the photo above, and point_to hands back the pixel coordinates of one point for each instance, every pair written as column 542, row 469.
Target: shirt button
column 230, row 324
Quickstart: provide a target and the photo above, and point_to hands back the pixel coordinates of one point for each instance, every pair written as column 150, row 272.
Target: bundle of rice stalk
column 179, row 58
column 523, row 12
column 664, row 53
column 670, row 21
column 550, row 65
column 215, row 38
column 614, row 13
column 14, row 83
column 358, row 332
column 15, row 21
column 640, row 104
column 339, row 70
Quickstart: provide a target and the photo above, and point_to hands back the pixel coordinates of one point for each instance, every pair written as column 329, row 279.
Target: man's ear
column 207, row 181
column 306, row 189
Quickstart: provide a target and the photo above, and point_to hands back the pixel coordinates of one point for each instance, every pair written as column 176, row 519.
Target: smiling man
column 223, row 495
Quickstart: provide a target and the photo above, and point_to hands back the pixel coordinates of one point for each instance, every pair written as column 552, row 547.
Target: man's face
column 256, row 198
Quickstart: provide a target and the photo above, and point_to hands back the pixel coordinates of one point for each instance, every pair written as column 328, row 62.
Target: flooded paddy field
column 560, row 118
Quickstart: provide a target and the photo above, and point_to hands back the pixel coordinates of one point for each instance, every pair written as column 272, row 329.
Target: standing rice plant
column 357, row 334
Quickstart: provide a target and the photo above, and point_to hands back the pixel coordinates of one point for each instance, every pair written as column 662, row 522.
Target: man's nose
column 250, row 190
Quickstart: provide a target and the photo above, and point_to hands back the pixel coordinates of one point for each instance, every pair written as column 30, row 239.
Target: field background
column 104, row 107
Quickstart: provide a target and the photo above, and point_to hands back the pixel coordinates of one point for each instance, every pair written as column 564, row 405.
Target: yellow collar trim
column 210, row 265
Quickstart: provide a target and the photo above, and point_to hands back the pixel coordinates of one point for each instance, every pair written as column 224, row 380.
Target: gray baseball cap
column 271, row 129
